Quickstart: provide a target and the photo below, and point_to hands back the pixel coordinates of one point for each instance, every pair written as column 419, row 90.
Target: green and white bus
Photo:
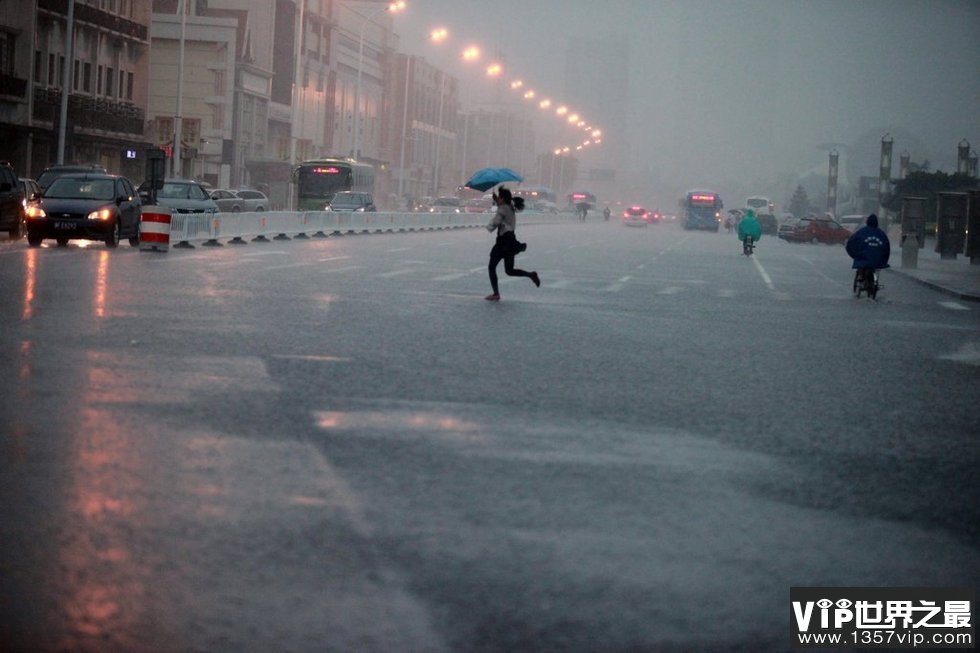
column 318, row 180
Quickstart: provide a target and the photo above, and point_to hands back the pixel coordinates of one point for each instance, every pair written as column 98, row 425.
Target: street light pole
column 297, row 81
column 401, row 161
column 66, row 79
column 393, row 6
column 435, row 176
column 178, row 118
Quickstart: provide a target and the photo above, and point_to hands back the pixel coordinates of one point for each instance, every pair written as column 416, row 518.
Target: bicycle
column 866, row 281
column 748, row 245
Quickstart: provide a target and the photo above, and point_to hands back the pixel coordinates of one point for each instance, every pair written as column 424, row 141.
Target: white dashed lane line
column 954, row 306
column 762, row 271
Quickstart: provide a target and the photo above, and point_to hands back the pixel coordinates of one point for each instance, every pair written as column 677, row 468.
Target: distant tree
column 799, row 204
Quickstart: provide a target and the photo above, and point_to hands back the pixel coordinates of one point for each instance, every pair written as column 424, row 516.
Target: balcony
column 102, row 19
column 86, row 112
column 11, row 86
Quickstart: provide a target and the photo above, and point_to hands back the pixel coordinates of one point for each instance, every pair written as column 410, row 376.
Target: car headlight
column 101, row 214
column 36, row 212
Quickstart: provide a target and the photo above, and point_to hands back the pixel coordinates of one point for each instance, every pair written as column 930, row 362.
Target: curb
column 965, row 296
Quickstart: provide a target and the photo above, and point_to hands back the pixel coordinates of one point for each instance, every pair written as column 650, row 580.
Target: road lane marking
column 289, row 265
column 561, row 283
column 343, row 269
column 318, row 359
column 726, row 292
column 670, row 290
column 457, row 275
column 395, row 273
column 955, row 306
column 625, row 279
column 399, row 249
column 762, row 271
column 332, row 258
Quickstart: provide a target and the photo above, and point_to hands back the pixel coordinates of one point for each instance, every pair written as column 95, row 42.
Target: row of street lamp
column 471, row 53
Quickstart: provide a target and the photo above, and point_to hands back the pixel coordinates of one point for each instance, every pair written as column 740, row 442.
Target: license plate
column 64, row 225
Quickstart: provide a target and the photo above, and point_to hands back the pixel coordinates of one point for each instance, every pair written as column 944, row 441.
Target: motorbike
column 748, row 245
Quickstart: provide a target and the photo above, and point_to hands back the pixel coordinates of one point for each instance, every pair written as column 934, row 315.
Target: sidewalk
column 956, row 278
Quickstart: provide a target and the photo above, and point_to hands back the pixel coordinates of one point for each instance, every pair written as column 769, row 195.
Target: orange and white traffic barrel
column 155, row 229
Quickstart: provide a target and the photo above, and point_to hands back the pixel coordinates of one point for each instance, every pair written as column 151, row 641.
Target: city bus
column 318, row 180
column 582, row 197
column 760, row 205
column 702, row 210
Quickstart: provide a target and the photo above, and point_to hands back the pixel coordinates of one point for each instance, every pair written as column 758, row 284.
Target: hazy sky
column 745, row 89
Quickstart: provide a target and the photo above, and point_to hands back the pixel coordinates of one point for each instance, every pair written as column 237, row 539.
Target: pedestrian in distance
column 504, row 222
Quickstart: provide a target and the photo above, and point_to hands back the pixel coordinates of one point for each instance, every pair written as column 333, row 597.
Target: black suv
column 11, row 202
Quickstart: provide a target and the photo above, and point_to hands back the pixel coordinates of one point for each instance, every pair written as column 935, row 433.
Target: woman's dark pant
column 495, row 258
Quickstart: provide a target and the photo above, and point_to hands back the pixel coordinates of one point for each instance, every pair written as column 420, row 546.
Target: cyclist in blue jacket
column 869, row 246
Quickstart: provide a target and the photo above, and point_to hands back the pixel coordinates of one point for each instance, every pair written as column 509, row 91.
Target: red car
column 818, row 230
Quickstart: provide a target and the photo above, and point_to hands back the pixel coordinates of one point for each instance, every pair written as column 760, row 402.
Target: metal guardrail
column 237, row 228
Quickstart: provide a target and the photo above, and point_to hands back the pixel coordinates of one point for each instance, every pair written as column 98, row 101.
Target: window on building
column 217, row 116
column 129, row 86
column 122, row 83
column 51, row 69
column 110, row 76
column 76, row 75
column 219, row 83
column 38, row 61
column 87, row 77
column 7, row 42
column 98, row 83
column 61, row 70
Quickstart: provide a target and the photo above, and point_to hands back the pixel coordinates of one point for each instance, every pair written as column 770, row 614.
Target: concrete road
column 338, row 445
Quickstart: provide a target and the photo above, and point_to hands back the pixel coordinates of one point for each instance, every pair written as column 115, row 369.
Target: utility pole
column 66, row 79
column 178, row 118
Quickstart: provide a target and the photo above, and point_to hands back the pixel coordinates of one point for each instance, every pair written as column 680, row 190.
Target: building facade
column 205, row 97
column 107, row 64
column 422, row 136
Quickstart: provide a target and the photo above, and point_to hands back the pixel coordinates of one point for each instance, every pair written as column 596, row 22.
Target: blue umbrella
column 487, row 178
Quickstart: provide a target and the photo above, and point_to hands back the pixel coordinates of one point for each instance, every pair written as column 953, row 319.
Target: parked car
column 351, row 201
column 227, row 200
column 786, row 227
column 636, row 216
column 478, row 205
column 11, row 202
column 181, row 195
column 813, row 229
column 446, row 205
column 768, row 223
column 91, row 206
column 853, row 222
column 423, row 204
column 53, row 172
column 254, row 200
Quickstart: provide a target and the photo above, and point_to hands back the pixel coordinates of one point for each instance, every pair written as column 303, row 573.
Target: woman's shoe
column 536, row 279
column 492, row 298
